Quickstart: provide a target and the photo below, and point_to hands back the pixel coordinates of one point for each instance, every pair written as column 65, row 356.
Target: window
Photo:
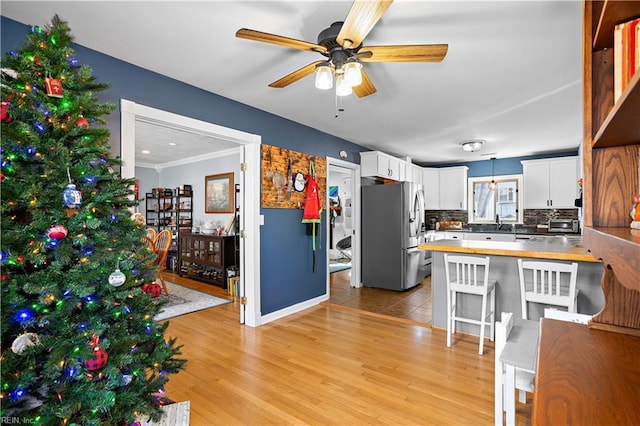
column 493, row 198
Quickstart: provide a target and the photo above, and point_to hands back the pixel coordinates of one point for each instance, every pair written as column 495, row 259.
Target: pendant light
column 493, row 172
column 324, row 76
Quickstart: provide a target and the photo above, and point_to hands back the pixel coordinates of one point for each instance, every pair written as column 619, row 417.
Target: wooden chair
column 472, row 278
column 162, row 244
column 548, row 283
column 523, row 380
column 152, row 234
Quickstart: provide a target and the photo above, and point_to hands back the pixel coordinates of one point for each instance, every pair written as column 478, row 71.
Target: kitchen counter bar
column 504, row 269
column 553, row 248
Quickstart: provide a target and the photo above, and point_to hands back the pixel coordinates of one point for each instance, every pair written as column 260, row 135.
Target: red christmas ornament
column 82, row 122
column 57, row 231
column 99, row 359
column 4, row 114
column 53, row 87
column 153, row 289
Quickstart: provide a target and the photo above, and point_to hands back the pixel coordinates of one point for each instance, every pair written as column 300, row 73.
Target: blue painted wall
column 286, row 256
column 503, row 166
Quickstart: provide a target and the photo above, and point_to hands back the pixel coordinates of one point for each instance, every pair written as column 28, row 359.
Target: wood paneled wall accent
column 274, row 162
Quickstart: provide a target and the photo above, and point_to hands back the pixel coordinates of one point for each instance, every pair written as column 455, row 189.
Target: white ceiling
column 512, row 75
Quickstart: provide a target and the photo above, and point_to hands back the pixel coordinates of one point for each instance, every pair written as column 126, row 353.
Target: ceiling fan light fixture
column 324, row 76
column 342, row 87
column 472, row 146
column 353, row 72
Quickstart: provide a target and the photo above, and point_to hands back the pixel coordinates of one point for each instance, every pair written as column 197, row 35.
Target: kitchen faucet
column 498, row 222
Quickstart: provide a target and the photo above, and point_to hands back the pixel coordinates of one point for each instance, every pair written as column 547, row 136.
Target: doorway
column 343, row 210
column 249, row 146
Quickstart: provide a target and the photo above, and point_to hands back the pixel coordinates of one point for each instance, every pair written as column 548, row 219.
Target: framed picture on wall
column 218, row 193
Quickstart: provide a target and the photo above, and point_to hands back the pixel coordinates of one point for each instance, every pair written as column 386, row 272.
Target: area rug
column 339, row 265
column 183, row 300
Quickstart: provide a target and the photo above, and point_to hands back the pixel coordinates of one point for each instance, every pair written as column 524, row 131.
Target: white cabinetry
column 487, row 236
column 413, row 173
column 376, row 163
column 431, row 185
column 474, row 236
column 550, row 183
column 453, row 188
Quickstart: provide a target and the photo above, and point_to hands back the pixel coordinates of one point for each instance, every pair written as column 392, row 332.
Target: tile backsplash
column 531, row 216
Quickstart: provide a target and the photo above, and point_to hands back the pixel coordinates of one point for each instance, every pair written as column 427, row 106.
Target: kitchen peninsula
column 504, row 269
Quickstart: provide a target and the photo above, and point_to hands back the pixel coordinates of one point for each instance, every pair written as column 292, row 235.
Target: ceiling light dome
column 472, row 146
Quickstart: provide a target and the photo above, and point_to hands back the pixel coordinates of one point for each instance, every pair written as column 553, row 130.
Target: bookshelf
column 611, row 150
column 578, row 365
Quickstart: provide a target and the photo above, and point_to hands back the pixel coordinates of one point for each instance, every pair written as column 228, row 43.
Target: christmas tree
column 79, row 340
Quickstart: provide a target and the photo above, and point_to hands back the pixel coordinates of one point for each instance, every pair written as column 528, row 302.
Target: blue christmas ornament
column 90, row 180
column 73, row 61
column 72, row 197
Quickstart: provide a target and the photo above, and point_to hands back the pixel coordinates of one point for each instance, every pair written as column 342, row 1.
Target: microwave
column 564, row 225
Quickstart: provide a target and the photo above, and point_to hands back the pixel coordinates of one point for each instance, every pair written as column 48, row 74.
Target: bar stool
column 472, row 278
column 548, row 283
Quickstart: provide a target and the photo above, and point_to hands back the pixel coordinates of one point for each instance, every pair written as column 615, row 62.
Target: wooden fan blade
column 365, row 88
column 404, row 53
column 295, row 76
column 364, row 14
column 279, row 40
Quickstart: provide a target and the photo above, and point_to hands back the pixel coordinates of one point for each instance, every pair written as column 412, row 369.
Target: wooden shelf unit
column 611, row 150
column 578, row 365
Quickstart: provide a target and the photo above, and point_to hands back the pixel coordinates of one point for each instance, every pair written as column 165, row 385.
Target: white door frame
column 249, row 180
column 354, row 169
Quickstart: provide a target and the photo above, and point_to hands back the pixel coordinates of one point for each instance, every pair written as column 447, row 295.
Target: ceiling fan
column 341, row 45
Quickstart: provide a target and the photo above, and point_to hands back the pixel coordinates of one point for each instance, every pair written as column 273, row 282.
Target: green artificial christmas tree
column 79, row 340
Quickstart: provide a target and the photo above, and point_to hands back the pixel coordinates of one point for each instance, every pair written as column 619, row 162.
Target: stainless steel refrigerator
column 392, row 227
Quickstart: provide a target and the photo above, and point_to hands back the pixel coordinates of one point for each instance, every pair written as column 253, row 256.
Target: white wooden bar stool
column 469, row 275
column 548, row 283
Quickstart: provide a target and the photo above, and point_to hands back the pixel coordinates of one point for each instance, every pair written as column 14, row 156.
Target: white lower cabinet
column 474, row 236
column 487, row 236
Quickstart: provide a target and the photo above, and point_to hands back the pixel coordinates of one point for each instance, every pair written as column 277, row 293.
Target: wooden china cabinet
column 591, row 375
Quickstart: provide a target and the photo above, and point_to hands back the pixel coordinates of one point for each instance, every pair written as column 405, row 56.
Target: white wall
column 191, row 174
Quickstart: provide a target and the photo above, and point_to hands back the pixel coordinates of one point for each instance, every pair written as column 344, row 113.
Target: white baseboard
column 293, row 309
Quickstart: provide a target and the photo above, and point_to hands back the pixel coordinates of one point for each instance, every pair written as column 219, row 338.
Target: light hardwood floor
column 328, row 366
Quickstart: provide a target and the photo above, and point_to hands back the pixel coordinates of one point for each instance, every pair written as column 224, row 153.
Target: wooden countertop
column 547, row 248
column 586, row 376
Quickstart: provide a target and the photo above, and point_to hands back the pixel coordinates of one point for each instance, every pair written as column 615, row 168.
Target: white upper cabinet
column 413, row 173
column 453, row 188
column 376, row 163
column 431, row 185
column 550, row 183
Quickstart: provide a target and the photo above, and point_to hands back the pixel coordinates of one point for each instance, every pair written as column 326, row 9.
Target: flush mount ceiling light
column 472, row 146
